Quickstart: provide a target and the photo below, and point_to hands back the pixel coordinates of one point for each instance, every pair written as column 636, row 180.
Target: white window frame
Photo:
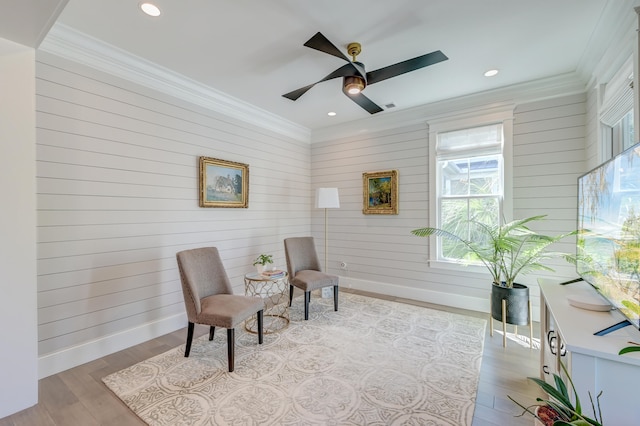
column 502, row 114
column 617, row 101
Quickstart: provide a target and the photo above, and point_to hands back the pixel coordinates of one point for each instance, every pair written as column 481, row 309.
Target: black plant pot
column 517, row 305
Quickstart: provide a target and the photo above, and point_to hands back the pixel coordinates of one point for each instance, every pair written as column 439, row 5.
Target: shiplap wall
column 548, row 157
column 382, row 255
column 367, row 243
column 117, row 197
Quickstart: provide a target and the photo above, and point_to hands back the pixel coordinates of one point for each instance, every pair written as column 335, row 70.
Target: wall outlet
column 343, row 265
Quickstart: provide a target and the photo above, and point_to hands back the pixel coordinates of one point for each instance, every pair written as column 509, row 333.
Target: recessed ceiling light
column 150, row 9
column 331, row 114
column 491, row 73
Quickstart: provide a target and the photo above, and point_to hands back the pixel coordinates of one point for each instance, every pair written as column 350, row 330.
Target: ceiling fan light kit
column 355, row 79
column 354, row 84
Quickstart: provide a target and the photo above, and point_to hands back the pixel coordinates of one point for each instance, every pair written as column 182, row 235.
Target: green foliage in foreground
column 560, row 400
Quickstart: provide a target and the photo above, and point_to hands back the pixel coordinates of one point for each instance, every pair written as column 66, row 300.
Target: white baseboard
column 429, row 296
column 72, row 357
column 436, row 297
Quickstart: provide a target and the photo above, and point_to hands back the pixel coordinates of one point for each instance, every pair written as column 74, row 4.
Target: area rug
column 374, row 362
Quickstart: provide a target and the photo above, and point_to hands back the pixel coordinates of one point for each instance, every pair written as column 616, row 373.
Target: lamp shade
column 327, row 198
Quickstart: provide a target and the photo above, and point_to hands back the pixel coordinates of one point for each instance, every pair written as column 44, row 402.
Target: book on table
column 276, row 273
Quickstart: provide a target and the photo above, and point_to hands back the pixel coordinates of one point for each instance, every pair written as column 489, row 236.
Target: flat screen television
column 608, row 238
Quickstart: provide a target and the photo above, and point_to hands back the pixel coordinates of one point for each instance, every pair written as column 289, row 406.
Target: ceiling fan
column 355, row 78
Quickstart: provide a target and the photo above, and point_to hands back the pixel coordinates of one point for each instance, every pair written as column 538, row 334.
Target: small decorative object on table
column 274, row 273
column 262, row 261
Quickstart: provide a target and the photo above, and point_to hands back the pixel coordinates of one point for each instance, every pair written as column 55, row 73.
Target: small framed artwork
column 380, row 192
column 223, row 183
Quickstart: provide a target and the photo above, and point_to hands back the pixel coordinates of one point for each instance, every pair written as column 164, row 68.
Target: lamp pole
column 327, row 198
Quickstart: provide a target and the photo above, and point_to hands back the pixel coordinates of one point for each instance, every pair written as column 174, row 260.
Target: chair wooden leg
column 290, row 294
column 189, row 339
column 307, row 298
column 211, row 331
column 335, row 298
column 231, row 344
column 260, row 324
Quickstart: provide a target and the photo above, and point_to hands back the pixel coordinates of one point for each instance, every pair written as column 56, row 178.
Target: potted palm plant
column 506, row 250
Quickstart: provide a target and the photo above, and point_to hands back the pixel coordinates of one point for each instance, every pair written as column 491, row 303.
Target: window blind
column 485, row 140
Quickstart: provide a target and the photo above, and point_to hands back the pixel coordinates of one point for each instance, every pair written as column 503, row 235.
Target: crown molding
column 78, row 47
column 552, row 87
column 612, row 42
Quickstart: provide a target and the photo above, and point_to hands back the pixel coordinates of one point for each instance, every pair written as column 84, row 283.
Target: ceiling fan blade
column 321, row 43
column 365, row 103
column 344, row 71
column 403, row 67
column 295, row 94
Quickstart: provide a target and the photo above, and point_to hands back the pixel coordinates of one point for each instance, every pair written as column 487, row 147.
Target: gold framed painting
column 223, row 183
column 380, row 192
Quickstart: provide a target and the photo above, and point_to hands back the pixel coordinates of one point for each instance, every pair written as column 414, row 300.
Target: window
column 623, row 132
column 616, row 113
column 470, row 174
column 470, row 183
column 618, row 137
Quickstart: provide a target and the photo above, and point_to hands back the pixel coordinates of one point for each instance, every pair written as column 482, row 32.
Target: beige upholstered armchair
column 305, row 271
column 209, row 297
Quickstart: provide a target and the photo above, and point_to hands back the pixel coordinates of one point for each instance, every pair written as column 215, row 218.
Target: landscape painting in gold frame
column 223, row 183
column 380, row 192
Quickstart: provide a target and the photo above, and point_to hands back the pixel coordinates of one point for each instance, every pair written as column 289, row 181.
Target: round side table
column 273, row 291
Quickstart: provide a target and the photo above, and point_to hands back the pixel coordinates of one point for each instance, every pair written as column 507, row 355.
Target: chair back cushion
column 202, row 274
column 301, row 255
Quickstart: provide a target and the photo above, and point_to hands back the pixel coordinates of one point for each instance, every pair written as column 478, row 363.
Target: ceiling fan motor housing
column 354, row 84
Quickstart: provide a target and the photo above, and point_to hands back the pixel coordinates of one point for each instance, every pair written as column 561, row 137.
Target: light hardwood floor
column 78, row 396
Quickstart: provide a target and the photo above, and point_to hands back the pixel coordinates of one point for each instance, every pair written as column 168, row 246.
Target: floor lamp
column 327, row 198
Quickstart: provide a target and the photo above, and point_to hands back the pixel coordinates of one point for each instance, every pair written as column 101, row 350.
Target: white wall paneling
column 382, row 255
column 18, row 333
column 549, row 152
column 117, row 194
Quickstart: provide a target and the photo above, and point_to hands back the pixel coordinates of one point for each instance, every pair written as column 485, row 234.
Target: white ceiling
column 28, row 21
column 253, row 49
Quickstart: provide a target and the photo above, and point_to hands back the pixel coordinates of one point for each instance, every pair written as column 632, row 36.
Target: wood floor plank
column 78, row 396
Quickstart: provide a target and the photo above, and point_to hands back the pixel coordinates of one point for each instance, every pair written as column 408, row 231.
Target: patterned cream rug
column 374, row 362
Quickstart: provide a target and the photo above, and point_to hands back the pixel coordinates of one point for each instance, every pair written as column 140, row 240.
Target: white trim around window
column 503, row 114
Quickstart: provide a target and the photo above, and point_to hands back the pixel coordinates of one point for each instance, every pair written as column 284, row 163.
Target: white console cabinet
column 593, row 361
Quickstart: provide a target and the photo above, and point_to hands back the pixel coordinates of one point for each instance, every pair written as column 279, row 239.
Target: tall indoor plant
column 506, row 250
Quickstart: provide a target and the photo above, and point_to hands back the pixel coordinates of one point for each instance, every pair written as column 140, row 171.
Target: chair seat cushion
column 228, row 310
column 309, row 280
